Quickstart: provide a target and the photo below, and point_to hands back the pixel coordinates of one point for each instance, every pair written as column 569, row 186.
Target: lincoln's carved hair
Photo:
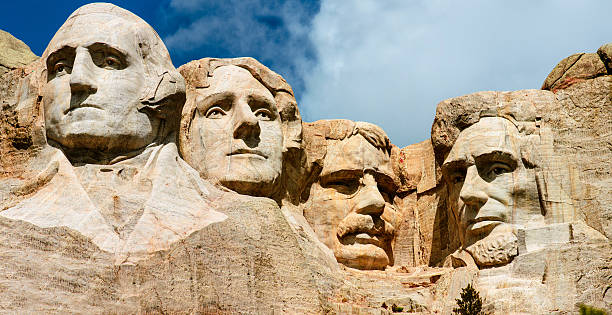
column 521, row 109
column 164, row 91
column 457, row 114
column 198, row 72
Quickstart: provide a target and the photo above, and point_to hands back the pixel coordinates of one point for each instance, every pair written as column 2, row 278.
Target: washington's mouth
column 81, row 106
column 247, row 153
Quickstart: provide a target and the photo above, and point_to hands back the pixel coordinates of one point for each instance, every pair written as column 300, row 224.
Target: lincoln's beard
column 495, row 249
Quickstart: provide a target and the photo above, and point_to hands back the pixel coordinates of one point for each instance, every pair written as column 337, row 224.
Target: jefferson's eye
column 263, row 114
column 215, row 113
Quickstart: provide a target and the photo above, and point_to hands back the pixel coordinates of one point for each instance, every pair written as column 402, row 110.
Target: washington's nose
column 246, row 124
column 472, row 192
column 82, row 77
column 370, row 200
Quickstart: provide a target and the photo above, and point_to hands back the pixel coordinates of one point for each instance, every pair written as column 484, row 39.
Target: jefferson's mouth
column 248, row 152
column 71, row 108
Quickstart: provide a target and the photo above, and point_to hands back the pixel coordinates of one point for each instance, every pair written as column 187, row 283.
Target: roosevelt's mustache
column 356, row 223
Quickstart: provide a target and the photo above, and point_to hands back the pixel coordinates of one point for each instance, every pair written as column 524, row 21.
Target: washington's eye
column 112, row 62
column 215, row 113
column 263, row 114
column 60, row 67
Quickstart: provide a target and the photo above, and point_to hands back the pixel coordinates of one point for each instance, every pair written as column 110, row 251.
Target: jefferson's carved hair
column 198, row 72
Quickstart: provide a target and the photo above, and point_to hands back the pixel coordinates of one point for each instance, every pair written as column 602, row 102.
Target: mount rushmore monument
column 130, row 186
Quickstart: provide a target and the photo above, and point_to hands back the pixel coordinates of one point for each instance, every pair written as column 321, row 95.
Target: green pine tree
column 470, row 302
column 589, row 310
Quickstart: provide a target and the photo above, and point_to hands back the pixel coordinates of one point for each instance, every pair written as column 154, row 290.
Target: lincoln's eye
column 499, row 168
column 457, row 178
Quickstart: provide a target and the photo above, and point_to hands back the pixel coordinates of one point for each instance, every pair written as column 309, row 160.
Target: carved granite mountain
column 13, row 53
column 200, row 189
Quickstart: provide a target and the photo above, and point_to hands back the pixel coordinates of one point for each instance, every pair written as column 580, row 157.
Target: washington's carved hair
column 164, row 92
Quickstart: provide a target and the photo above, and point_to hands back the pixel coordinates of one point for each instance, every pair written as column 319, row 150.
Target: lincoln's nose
column 473, row 190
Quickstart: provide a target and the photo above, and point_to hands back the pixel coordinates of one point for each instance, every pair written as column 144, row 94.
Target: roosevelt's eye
column 345, row 186
column 263, row 114
column 215, row 113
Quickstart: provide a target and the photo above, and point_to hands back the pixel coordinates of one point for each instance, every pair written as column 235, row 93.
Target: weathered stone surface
column 574, row 69
column 350, row 202
column 99, row 213
column 550, row 134
column 13, row 53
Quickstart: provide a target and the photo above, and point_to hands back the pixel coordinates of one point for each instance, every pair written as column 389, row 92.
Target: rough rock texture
column 350, row 201
column 423, row 238
column 13, row 53
column 512, row 193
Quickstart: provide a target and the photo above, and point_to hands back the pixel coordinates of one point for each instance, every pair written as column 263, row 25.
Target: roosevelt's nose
column 473, row 189
column 246, row 124
column 82, row 77
column 369, row 199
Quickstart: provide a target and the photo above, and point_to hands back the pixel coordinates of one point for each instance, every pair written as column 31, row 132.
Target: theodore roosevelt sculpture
column 350, row 204
column 112, row 101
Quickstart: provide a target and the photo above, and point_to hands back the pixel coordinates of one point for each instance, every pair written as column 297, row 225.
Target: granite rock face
column 204, row 192
column 13, row 53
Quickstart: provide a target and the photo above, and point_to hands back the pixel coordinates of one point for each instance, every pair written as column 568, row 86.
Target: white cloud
column 391, row 62
column 274, row 32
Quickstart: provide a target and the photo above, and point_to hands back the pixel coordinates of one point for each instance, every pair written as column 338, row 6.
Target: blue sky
column 386, row 62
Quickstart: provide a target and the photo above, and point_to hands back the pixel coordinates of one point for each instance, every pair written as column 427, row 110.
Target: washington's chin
column 262, row 184
column 102, row 143
column 362, row 256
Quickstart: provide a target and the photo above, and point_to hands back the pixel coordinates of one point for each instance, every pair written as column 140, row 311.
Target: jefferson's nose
column 82, row 77
column 473, row 190
column 246, row 124
column 369, row 199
